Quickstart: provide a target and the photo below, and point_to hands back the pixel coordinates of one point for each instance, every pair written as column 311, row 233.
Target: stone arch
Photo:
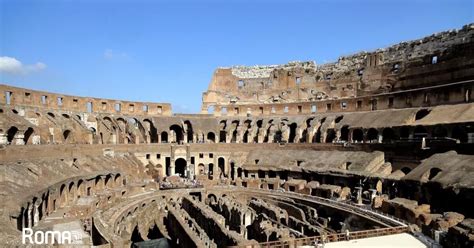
column 26, row 137
column 80, row 187
column 118, row 178
column 388, row 135
column 180, row 167
column 330, row 135
column 232, row 170
column 404, row 132
column 152, row 132
column 211, row 137
column 62, row 195
column 201, row 169
column 221, row 166
column 178, row 133
column 108, row 180
column 372, row 135
column 67, row 136
column 12, row 131
column 344, row 133
column 189, row 131
column 210, row 171
column 292, row 135
column 357, row 135
column 164, row 137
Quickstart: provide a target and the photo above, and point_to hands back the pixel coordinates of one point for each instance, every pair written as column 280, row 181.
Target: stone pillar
column 359, row 195
column 3, row 139
column 35, row 214
column 30, row 215
column 18, row 139
column 24, row 222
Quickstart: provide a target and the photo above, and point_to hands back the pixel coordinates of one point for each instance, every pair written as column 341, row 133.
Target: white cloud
column 111, row 54
column 14, row 66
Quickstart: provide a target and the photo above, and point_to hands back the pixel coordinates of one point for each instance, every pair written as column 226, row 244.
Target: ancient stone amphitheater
column 375, row 145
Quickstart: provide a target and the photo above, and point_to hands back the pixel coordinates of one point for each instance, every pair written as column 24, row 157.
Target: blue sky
column 166, row 51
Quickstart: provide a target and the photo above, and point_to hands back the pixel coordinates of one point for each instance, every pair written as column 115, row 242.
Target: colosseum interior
column 376, row 145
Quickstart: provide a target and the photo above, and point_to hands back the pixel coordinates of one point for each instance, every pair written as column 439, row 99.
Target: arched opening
column 152, row 132
column 154, row 233
column 388, row 135
column 66, row 135
column 239, row 172
column 291, row 138
column 189, row 131
column 317, row 136
column 404, row 132
column 439, row 132
column 330, row 135
column 136, row 237
column 178, row 133
column 357, row 135
column 201, row 169
column 245, row 139
column 433, row 173
column 259, row 126
column 232, row 170
column 221, row 165
column 108, row 180
column 80, row 190
column 211, row 137
column 338, row 119
column 422, row 113
column 420, row 132
column 210, row 171
column 345, row 133
column 247, row 126
column 234, row 136
column 62, row 195
column 210, row 109
column 222, row 136
column 164, row 137
column 234, row 127
column 11, row 134
column 27, row 135
column 222, row 132
column 460, row 134
column 278, row 136
column 117, row 179
column 180, row 167
column 373, row 135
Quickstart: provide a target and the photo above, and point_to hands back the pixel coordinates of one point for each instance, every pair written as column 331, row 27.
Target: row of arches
column 311, row 130
column 63, row 194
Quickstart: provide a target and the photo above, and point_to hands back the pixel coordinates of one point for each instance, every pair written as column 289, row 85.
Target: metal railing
column 321, row 239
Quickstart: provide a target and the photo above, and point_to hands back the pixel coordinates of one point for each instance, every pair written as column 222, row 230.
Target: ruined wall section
column 20, row 97
column 441, row 58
